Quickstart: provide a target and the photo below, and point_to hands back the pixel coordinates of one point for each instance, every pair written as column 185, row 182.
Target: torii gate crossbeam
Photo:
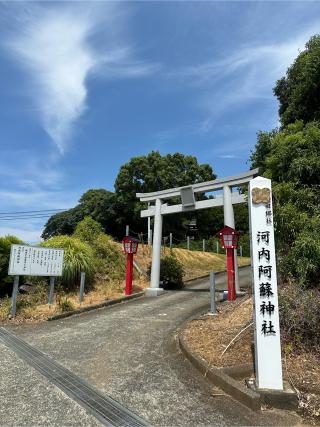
column 190, row 204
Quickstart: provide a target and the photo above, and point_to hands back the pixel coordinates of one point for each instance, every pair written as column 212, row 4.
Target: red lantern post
column 130, row 247
column 229, row 241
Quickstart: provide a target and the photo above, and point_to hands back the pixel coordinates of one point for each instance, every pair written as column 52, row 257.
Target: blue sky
column 87, row 85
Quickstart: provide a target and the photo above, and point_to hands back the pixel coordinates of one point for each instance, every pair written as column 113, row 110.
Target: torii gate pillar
column 229, row 221
column 154, row 289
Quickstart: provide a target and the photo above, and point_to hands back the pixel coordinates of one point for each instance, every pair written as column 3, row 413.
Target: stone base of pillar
column 153, row 292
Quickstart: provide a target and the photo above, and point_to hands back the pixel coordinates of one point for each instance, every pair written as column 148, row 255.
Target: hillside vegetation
column 91, row 251
column 195, row 263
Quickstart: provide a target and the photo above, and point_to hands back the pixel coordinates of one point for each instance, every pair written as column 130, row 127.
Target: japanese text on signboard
column 35, row 261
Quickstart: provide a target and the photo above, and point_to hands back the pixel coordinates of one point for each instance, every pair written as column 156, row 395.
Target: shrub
column 303, row 260
column 78, row 257
column 5, row 247
column 88, row 230
column 171, row 272
column 66, row 305
column 300, row 315
column 109, row 259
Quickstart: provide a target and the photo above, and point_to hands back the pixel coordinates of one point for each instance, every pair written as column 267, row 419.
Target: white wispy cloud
column 52, row 45
column 244, row 76
column 57, row 45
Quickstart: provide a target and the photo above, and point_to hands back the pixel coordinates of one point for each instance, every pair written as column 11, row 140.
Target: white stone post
column 266, row 308
column 229, row 221
column 154, row 289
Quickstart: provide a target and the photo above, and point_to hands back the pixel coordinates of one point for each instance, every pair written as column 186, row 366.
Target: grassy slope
column 195, row 263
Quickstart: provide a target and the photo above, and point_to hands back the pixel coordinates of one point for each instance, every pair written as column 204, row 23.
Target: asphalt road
column 129, row 352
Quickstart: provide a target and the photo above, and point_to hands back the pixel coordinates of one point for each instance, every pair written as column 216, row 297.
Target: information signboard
column 35, row 261
column 266, row 309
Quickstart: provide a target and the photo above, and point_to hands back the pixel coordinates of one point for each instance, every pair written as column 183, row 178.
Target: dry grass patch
column 195, row 263
column 30, row 312
column 209, row 336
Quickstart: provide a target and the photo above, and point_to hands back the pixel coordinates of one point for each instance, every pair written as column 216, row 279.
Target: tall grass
column 78, row 257
column 5, row 247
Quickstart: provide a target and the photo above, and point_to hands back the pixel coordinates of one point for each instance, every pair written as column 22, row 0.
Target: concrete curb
column 96, row 306
column 227, row 379
column 220, row 378
column 239, row 371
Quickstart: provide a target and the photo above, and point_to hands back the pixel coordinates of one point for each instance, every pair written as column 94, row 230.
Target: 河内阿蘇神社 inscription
column 266, row 309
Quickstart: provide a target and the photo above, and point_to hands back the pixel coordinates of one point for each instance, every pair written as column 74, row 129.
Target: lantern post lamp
column 130, row 247
column 229, row 241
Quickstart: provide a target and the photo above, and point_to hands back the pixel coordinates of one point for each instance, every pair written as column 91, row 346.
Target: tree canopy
column 154, row 172
column 299, row 91
column 293, row 164
column 98, row 204
column 290, row 157
column 262, row 149
column 148, row 173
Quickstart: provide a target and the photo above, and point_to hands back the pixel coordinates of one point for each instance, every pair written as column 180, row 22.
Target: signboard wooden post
column 266, row 310
column 34, row 261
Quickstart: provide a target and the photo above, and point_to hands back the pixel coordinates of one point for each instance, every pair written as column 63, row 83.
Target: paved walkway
column 130, row 353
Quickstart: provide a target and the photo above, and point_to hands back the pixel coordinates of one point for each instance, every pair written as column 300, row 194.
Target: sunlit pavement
column 130, row 353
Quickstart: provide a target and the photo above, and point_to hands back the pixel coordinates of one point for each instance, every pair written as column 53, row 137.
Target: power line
column 25, row 215
column 34, row 214
column 14, row 218
column 27, row 212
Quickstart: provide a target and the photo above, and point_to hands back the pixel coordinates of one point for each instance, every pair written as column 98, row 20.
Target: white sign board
column 35, row 261
column 266, row 310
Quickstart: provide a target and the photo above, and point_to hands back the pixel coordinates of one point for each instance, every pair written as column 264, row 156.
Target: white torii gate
column 187, row 194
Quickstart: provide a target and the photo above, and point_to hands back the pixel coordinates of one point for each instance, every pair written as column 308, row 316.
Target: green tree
column 295, row 155
column 88, row 230
column 293, row 164
column 262, row 149
column 299, row 91
column 63, row 222
column 148, row 173
column 97, row 203
column 154, row 172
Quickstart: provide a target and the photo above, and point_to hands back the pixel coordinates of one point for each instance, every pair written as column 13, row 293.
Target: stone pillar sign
column 266, row 310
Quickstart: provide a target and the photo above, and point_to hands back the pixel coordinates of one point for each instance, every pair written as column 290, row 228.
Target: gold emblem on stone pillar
column 260, row 195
